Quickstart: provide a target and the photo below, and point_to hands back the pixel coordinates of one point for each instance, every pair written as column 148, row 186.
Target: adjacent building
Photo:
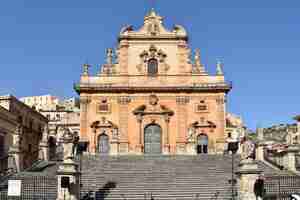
column 150, row 97
column 62, row 114
column 21, row 129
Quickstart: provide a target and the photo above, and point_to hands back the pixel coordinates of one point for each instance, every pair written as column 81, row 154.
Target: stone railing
column 281, row 187
column 287, row 159
column 274, row 158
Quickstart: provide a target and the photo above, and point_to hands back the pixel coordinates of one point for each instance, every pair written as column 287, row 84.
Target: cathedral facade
column 150, row 97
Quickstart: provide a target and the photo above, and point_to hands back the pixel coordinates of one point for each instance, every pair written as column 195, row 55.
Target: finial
column 199, row 67
column 197, row 58
column 220, row 68
column 86, row 67
column 109, row 56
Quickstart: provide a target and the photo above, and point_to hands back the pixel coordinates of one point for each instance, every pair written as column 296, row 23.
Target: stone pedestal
column 260, row 152
column 191, row 148
column 68, row 169
column 247, row 175
column 219, row 147
column 139, row 149
column 14, row 160
column 180, row 148
column 114, row 148
column 123, row 148
column 44, row 153
column 166, row 149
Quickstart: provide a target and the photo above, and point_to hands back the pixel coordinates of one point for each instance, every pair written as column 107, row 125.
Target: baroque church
column 152, row 97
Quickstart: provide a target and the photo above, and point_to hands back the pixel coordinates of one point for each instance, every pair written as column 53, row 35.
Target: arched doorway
column 152, row 139
column 202, row 143
column 103, row 144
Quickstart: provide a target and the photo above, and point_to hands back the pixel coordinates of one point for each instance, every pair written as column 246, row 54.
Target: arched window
column 152, row 67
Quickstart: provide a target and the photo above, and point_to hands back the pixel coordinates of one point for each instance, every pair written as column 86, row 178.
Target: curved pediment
column 153, row 27
column 103, row 123
column 202, row 124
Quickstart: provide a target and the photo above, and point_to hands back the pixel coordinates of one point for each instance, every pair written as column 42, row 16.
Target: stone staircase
column 162, row 177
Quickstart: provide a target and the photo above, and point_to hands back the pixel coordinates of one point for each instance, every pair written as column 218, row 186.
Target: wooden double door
column 153, row 139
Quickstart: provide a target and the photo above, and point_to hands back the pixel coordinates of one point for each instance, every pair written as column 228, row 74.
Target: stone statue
column 115, row 133
column 109, row 56
column 86, row 69
column 179, row 30
column 17, row 135
column 191, row 132
column 247, row 150
column 219, row 68
column 197, row 58
column 45, row 133
column 68, row 145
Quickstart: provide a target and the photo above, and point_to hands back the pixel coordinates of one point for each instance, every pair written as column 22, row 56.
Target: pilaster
column 123, row 57
column 123, row 123
column 84, row 101
column 181, row 123
column 221, row 122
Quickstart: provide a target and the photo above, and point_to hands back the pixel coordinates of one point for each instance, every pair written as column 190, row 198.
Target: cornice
column 127, row 89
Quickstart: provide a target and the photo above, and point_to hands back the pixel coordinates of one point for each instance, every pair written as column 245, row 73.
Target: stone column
column 221, row 123
column 123, row 123
column 247, row 174
column 84, row 101
column 181, row 123
column 166, row 149
column 68, row 171
column 140, row 146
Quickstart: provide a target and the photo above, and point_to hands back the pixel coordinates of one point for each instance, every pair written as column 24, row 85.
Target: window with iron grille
column 152, row 67
column 103, row 106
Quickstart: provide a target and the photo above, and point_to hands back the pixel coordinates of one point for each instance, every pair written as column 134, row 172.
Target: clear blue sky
column 44, row 43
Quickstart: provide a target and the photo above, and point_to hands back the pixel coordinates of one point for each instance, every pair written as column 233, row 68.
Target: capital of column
column 139, row 118
column 167, row 118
